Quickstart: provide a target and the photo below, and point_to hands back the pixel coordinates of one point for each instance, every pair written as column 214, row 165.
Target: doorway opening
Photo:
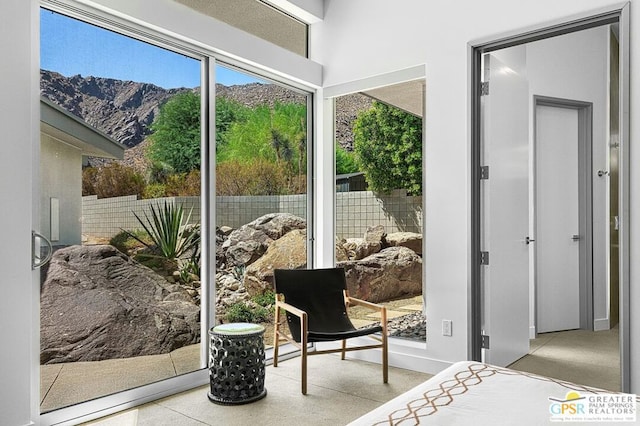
column 518, row 198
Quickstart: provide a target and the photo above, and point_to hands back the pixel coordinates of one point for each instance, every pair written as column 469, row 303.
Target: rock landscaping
column 98, row 303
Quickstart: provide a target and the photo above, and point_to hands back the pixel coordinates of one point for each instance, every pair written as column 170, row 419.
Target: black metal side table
column 236, row 363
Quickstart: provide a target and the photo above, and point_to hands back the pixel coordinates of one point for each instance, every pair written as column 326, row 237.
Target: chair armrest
column 359, row 302
column 290, row 308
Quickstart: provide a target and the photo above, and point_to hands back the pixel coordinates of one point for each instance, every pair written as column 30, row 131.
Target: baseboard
column 601, row 324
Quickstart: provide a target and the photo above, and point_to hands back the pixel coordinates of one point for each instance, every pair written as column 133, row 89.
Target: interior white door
column 505, row 213
column 557, row 251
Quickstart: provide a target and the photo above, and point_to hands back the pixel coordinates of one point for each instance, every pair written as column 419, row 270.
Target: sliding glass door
column 121, row 165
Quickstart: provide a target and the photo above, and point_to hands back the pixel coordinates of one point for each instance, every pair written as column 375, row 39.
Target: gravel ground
column 411, row 326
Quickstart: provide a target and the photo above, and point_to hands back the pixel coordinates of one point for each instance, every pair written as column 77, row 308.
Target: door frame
column 585, row 201
column 614, row 14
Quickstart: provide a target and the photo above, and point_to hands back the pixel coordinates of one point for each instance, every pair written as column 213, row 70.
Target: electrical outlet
column 447, row 327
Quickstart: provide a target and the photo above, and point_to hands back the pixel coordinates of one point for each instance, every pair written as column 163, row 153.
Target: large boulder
column 288, row 252
column 341, row 251
column 359, row 248
column 96, row 304
column 410, row 240
column 246, row 244
column 392, row 273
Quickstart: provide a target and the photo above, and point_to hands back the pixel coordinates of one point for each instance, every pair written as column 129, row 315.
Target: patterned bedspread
column 472, row 393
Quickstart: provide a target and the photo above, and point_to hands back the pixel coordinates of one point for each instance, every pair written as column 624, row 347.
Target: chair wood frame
column 303, row 345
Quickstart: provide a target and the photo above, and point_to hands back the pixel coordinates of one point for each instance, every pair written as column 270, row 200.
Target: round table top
column 237, row 328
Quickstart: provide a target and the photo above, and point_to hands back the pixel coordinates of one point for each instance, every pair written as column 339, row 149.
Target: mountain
column 125, row 110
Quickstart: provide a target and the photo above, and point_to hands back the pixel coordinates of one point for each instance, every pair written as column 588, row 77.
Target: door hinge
column 484, row 343
column 484, row 172
column 484, row 88
column 484, row 257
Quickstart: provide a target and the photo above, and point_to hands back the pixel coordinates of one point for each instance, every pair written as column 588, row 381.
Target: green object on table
column 238, row 328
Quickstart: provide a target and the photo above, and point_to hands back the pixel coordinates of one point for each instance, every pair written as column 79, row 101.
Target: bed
column 472, row 393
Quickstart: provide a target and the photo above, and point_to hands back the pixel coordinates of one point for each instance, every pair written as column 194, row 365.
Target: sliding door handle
column 575, row 237
column 36, row 260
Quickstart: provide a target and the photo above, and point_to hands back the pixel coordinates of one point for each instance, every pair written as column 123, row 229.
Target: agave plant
column 168, row 231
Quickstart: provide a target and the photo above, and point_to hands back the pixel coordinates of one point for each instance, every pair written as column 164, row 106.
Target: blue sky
column 71, row 47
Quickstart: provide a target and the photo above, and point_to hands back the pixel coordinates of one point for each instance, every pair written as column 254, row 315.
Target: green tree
column 175, row 142
column 175, row 146
column 275, row 134
column 227, row 112
column 388, row 147
column 345, row 161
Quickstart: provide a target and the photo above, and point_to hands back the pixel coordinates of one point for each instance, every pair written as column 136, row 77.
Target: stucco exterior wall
column 61, row 178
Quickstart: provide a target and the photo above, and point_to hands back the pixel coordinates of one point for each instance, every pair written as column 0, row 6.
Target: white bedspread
column 472, row 393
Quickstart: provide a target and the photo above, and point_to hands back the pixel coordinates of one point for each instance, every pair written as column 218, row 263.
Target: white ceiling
column 257, row 18
column 408, row 96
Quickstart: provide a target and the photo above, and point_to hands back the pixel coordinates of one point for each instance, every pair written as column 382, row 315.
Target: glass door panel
column 120, row 201
column 261, row 193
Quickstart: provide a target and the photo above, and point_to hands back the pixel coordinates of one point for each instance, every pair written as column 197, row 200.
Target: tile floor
column 338, row 392
column 341, row 391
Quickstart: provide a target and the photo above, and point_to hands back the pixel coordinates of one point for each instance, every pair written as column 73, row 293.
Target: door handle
column 575, row 237
column 36, row 260
column 529, row 240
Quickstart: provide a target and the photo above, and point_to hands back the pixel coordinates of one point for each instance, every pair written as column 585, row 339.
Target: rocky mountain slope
column 125, row 110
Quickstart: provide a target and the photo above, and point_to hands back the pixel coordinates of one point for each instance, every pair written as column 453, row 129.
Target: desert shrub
column 189, row 269
column 158, row 173
column 155, row 190
column 112, row 180
column 89, row 175
column 183, row 184
column 255, row 177
column 124, row 242
column 267, row 298
column 242, row 312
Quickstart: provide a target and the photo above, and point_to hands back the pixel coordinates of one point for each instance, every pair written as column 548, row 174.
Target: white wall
column 19, row 120
column 61, row 178
column 363, row 38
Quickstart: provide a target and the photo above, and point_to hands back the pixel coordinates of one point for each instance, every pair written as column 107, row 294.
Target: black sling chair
column 315, row 302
